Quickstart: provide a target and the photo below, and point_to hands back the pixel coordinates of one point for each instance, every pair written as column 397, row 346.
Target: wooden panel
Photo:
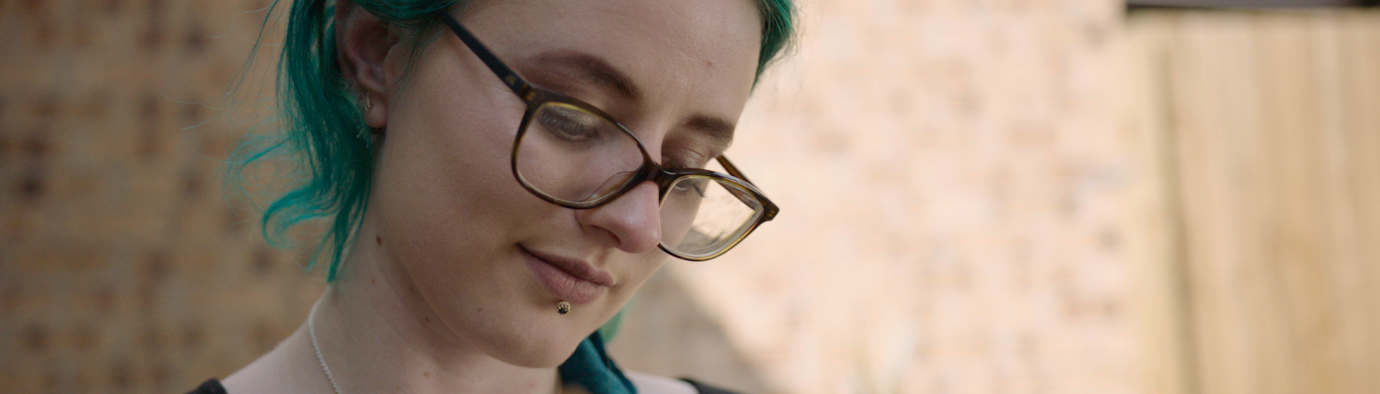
column 1273, row 123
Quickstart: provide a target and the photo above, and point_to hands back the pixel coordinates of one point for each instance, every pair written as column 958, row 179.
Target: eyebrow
column 596, row 69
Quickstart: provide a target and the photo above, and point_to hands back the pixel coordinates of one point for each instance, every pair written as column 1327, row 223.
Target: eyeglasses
column 574, row 155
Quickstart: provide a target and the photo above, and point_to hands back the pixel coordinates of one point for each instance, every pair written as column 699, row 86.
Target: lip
column 570, row 279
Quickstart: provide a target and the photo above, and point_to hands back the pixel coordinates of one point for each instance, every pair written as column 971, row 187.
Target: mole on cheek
column 378, row 240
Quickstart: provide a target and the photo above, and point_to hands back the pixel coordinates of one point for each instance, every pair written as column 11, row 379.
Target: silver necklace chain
column 311, row 329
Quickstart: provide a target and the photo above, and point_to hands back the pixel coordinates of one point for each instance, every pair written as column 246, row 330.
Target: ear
column 368, row 52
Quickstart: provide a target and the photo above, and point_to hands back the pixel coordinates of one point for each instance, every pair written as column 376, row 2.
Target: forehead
column 699, row 53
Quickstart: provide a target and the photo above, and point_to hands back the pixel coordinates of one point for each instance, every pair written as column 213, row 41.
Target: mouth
column 568, row 279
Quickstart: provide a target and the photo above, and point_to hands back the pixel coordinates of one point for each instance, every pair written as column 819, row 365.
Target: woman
column 502, row 176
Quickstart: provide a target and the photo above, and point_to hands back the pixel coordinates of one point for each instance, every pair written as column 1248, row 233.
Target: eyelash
column 687, row 159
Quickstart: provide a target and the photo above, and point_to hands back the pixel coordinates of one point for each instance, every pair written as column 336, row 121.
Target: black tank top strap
column 210, row 387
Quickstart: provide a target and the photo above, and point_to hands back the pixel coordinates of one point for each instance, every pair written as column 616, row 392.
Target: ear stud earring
column 366, row 133
column 563, row 307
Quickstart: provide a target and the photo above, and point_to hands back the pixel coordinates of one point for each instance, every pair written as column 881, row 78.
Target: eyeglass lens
column 576, row 156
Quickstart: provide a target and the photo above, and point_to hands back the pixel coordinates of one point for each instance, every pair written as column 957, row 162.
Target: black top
column 213, row 387
column 210, row 387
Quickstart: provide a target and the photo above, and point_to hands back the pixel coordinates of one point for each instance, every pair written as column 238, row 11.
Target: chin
column 539, row 349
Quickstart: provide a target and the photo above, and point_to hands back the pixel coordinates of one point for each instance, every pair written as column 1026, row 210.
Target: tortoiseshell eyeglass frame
column 536, row 96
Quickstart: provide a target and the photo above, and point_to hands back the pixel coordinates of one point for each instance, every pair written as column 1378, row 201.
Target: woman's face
column 477, row 248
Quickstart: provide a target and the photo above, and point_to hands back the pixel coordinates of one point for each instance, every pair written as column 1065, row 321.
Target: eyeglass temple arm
column 733, row 170
column 510, row 78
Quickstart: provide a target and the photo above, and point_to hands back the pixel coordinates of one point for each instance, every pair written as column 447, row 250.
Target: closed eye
column 571, row 125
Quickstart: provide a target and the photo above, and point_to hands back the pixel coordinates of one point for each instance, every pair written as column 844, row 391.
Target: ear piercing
column 563, row 307
column 367, row 133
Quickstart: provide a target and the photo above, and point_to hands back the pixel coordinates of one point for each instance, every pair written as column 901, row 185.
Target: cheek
column 448, row 204
column 439, row 179
column 446, row 152
column 637, row 268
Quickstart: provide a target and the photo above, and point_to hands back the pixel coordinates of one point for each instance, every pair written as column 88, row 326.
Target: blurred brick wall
column 121, row 267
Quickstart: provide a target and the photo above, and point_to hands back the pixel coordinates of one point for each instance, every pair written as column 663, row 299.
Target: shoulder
column 652, row 384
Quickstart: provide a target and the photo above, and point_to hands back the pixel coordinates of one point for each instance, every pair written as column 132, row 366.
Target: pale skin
column 433, row 297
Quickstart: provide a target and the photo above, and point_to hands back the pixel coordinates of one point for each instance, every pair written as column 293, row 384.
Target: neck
column 376, row 334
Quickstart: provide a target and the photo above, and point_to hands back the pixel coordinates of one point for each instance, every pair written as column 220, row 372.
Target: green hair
column 321, row 125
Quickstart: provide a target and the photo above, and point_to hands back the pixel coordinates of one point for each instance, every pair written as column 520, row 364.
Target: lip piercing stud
column 563, row 307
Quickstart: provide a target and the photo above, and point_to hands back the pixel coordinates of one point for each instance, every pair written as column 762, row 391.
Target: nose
column 631, row 222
